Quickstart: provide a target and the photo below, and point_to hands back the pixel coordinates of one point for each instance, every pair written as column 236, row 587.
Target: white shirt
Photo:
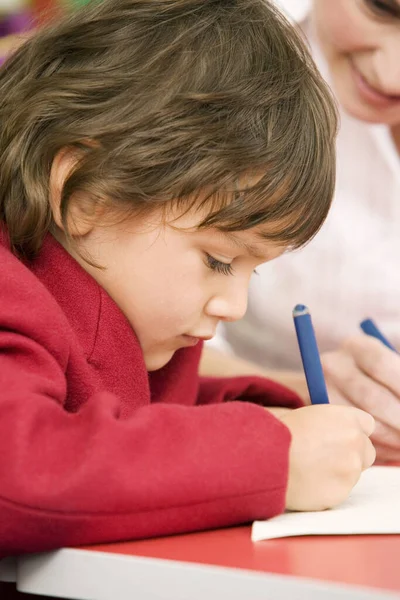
column 350, row 270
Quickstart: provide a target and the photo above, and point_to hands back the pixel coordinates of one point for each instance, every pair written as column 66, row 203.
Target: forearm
column 216, row 364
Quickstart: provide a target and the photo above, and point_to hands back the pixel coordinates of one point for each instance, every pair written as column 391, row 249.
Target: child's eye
column 383, row 8
column 218, row 266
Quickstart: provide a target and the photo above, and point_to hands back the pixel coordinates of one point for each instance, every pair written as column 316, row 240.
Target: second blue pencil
column 370, row 328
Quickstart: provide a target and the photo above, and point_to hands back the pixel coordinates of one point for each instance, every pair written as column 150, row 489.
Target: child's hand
column 277, row 411
column 330, row 448
column 365, row 374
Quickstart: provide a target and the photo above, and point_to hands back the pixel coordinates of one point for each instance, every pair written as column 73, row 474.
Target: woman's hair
column 163, row 99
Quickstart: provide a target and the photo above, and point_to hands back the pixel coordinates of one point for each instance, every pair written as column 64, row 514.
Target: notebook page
column 373, row 507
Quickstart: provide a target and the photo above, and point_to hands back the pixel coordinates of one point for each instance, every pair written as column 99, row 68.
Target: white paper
column 373, row 507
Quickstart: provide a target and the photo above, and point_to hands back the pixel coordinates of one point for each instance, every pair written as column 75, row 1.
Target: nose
column 387, row 65
column 229, row 303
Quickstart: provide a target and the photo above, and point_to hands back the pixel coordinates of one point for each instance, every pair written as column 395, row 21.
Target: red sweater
column 92, row 449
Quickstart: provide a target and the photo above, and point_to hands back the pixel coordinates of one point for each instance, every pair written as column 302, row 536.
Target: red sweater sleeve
column 69, row 478
column 248, row 388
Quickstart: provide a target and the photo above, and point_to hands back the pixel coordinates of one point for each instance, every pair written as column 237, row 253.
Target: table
column 200, row 566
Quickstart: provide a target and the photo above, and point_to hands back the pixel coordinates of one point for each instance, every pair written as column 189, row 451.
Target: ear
column 79, row 221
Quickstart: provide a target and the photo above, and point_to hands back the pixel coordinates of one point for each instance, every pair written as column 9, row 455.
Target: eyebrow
column 252, row 249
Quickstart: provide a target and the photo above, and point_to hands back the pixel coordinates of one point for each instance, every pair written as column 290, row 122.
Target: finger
column 369, row 454
column 385, row 454
column 359, row 389
column 383, row 434
column 386, row 435
column 365, row 420
column 376, row 360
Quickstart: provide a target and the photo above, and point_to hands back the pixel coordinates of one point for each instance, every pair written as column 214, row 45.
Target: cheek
column 171, row 296
column 341, row 27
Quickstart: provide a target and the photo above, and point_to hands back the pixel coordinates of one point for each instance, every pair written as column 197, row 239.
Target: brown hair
column 179, row 96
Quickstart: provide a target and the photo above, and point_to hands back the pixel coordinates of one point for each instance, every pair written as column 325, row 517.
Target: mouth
column 370, row 94
column 191, row 340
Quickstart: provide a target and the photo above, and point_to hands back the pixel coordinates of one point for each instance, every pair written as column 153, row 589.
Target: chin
column 157, row 361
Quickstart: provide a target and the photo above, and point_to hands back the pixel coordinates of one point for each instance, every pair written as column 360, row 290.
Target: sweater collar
column 103, row 332
column 92, row 313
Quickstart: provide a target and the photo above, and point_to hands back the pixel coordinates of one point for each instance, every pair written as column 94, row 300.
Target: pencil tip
column 300, row 309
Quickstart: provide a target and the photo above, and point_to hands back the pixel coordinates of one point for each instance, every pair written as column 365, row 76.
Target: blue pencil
column 368, row 326
column 310, row 355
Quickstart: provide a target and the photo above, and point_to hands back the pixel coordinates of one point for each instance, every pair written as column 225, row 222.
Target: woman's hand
column 366, row 374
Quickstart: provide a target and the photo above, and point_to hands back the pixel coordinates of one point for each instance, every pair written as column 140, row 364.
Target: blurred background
column 19, row 16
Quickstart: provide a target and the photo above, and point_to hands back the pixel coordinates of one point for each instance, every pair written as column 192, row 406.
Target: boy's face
column 361, row 41
column 175, row 283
